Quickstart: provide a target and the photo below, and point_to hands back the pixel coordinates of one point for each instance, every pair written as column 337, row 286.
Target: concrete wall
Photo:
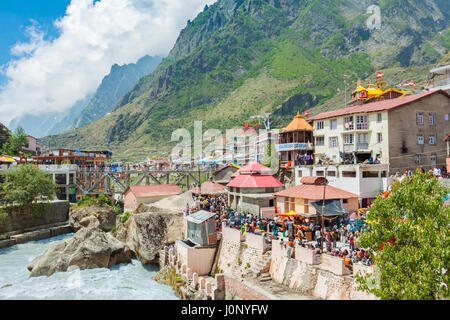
column 314, row 281
column 131, row 202
column 199, row 260
column 41, row 214
column 404, row 129
column 235, row 288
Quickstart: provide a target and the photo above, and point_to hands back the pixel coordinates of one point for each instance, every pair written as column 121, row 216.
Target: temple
column 295, row 143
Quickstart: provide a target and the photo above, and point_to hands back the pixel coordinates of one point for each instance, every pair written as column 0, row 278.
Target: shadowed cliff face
column 235, row 49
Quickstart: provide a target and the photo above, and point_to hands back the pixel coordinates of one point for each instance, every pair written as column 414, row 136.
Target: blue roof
column 199, row 216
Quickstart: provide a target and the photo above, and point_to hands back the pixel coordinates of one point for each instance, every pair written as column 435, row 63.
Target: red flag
column 247, row 126
column 412, row 84
column 380, row 75
column 288, row 165
column 306, row 113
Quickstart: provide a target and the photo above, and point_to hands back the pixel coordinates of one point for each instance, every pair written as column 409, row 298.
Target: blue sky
column 55, row 68
column 16, row 15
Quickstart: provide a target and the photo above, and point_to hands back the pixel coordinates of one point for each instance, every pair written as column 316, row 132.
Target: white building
column 367, row 181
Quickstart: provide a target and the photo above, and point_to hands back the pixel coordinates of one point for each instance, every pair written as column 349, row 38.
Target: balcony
column 363, row 146
column 349, row 148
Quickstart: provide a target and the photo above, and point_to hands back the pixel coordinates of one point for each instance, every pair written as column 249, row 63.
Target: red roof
column 154, row 190
column 315, row 192
column 209, row 187
column 253, row 167
column 255, row 181
column 377, row 106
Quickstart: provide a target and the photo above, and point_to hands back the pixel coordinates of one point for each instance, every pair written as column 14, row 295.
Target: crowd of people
column 340, row 239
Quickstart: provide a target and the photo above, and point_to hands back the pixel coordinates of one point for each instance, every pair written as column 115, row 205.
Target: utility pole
column 323, row 209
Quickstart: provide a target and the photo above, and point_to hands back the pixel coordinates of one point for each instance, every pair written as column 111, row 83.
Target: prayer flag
column 380, row 75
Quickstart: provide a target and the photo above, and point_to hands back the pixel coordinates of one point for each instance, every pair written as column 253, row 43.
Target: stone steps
column 35, row 235
column 265, row 277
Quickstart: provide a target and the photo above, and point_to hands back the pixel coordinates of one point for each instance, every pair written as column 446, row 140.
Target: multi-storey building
column 404, row 133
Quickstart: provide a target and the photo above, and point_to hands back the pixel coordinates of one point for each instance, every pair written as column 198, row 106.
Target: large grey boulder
column 146, row 233
column 105, row 215
column 89, row 248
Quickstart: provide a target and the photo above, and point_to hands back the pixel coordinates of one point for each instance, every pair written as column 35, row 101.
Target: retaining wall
column 14, row 219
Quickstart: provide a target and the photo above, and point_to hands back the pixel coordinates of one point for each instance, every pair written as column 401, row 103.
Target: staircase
column 262, row 266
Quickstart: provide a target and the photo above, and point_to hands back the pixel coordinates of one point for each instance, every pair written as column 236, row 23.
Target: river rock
column 105, row 215
column 146, row 233
column 89, row 248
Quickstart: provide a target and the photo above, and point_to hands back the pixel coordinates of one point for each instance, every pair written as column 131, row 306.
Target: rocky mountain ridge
column 227, row 62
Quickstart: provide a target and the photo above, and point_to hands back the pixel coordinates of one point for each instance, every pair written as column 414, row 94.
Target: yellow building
column 400, row 132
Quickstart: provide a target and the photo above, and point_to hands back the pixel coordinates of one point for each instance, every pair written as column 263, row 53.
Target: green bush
column 124, row 217
column 24, row 184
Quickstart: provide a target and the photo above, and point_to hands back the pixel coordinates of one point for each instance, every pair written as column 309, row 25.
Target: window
column 348, row 139
column 334, row 142
column 333, row 124
column 419, row 118
column 320, row 173
column 363, row 138
column 319, row 125
column 361, row 123
column 433, row 160
column 332, row 173
column 348, row 174
column 418, row 159
column 379, row 117
column 447, row 116
column 344, row 201
column 420, row 139
column 379, row 137
column 348, row 123
column 432, row 140
column 370, row 174
column 320, row 141
column 431, row 119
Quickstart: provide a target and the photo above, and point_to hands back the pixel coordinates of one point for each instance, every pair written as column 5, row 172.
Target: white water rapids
column 132, row 281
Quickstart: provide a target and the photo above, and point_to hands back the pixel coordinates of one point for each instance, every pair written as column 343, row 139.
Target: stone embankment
column 251, row 267
column 36, row 222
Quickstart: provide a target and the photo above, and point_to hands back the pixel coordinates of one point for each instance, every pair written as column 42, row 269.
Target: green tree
column 15, row 144
column 24, row 184
column 409, row 239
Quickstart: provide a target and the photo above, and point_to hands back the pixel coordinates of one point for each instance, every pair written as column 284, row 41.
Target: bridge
column 75, row 180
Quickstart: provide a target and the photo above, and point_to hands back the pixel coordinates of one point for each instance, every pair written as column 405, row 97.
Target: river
column 132, row 281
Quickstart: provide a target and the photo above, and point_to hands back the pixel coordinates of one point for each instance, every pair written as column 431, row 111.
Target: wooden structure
column 294, row 140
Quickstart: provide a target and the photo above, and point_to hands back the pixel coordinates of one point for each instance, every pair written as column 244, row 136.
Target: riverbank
column 126, row 281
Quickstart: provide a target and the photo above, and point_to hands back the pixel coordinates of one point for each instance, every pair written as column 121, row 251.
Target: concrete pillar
column 195, row 279
column 208, row 287
column 202, row 283
column 220, row 281
column 189, row 273
column 223, row 228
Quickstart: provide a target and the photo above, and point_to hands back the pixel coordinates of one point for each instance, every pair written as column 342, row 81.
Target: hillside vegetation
column 240, row 58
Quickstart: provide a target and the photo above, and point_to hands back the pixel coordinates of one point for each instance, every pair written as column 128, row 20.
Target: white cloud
column 51, row 75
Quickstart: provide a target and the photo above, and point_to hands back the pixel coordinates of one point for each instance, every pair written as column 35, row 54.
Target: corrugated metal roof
column 254, row 181
column 199, row 216
column 154, row 190
column 315, row 192
column 253, row 167
column 377, row 106
column 298, row 124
